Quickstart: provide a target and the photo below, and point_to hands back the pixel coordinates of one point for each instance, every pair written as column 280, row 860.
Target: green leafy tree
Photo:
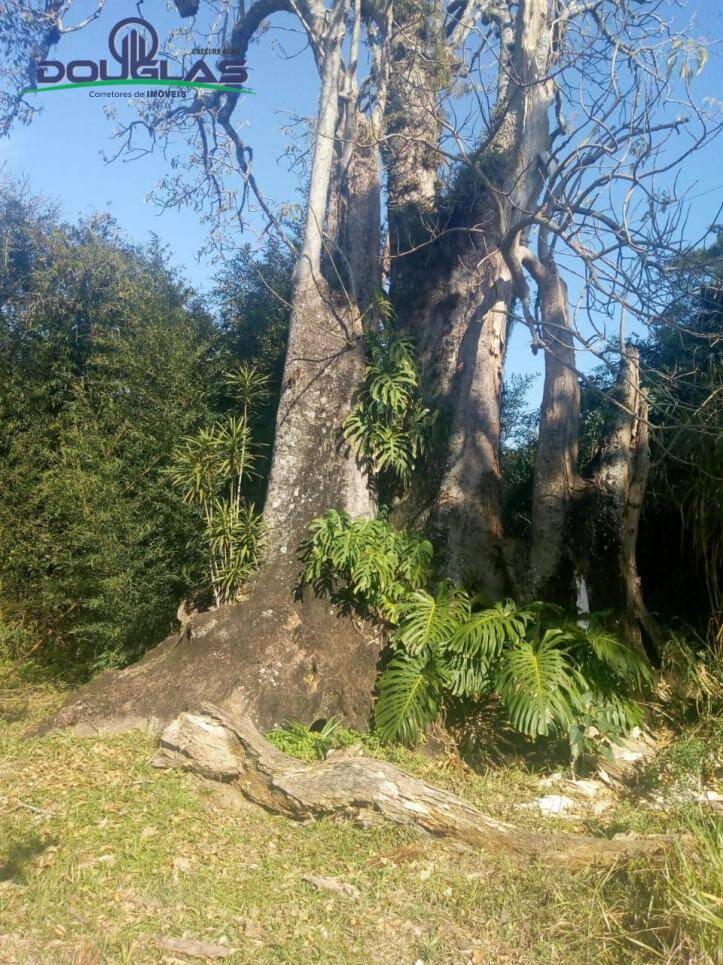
column 107, row 359
column 682, row 519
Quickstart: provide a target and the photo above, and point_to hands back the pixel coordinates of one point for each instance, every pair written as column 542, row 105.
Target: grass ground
column 103, row 857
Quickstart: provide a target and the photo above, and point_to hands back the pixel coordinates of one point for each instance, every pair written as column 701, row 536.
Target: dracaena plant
column 211, row 469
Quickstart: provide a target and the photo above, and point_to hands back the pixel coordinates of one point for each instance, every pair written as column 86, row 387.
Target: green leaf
column 615, row 654
column 388, row 425
column 430, row 621
column 410, row 698
column 539, row 685
column 485, row 632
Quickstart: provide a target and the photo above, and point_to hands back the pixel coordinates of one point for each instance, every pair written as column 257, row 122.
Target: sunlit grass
column 101, row 855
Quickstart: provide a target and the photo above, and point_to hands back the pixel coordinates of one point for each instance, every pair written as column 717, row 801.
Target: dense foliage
column 680, row 544
column 107, row 359
column 135, row 445
column 389, row 425
column 682, row 529
column 116, row 388
column 552, row 676
column 364, row 565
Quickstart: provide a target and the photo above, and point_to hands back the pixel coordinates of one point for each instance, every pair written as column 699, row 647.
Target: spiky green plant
column 210, row 469
column 249, row 385
column 693, row 880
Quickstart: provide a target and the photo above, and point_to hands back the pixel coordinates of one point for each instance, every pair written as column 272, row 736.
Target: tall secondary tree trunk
column 551, row 572
column 310, row 472
column 450, row 291
column 454, row 287
column 610, row 511
column 468, row 509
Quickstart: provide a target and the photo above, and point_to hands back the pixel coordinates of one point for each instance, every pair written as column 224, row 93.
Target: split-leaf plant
column 389, row 425
column 553, row 677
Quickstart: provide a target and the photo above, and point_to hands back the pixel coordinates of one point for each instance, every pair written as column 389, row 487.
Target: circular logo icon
column 137, row 44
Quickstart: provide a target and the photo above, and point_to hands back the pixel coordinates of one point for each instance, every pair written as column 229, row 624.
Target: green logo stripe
column 139, row 82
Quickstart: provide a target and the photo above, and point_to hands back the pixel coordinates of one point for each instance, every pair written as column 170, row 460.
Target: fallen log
column 230, row 749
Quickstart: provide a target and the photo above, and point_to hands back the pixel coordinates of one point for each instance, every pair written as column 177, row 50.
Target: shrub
column 308, row 743
column 106, row 361
column 364, row 565
column 210, row 470
column 693, row 879
column 552, row 676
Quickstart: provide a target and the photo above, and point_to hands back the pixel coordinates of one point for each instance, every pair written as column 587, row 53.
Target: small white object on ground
column 552, row 805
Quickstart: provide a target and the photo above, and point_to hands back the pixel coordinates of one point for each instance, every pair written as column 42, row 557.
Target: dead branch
column 229, row 748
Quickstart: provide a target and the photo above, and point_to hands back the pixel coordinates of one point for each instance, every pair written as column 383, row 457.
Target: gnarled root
column 230, row 749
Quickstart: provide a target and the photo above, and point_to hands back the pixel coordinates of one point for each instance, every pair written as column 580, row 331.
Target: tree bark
column 610, row 511
column 551, row 574
column 468, row 508
column 228, row 748
column 351, row 262
column 451, row 284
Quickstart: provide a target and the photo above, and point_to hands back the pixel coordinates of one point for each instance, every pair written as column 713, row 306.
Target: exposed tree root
column 272, row 655
column 230, row 749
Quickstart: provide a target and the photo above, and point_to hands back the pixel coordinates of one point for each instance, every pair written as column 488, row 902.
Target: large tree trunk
column 468, row 507
column 229, row 749
column 273, row 653
column 451, row 284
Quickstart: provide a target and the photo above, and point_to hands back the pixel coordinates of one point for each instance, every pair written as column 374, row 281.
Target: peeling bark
column 228, row 748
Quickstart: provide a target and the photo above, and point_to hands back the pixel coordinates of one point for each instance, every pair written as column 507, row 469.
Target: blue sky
column 60, row 153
